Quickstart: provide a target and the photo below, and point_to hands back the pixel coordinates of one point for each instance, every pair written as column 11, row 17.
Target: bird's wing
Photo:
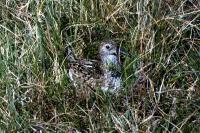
column 90, row 67
column 87, row 72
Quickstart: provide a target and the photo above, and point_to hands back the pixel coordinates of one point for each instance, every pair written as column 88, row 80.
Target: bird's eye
column 107, row 46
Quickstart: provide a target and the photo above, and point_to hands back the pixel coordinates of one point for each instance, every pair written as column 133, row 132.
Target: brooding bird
column 91, row 74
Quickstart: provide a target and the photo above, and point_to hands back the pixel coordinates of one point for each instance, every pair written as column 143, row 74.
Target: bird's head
column 110, row 52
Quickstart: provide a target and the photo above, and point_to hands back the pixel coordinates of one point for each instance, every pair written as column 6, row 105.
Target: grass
column 161, row 79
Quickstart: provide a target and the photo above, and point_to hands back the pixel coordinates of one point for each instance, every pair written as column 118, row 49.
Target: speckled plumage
column 88, row 75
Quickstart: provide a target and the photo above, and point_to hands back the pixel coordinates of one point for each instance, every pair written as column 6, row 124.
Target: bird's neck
column 111, row 73
column 110, row 59
column 111, row 66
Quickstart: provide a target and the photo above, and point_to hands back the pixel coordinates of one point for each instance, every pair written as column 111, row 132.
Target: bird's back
column 85, row 74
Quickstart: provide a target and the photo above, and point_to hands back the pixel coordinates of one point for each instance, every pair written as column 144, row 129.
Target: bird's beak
column 122, row 52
